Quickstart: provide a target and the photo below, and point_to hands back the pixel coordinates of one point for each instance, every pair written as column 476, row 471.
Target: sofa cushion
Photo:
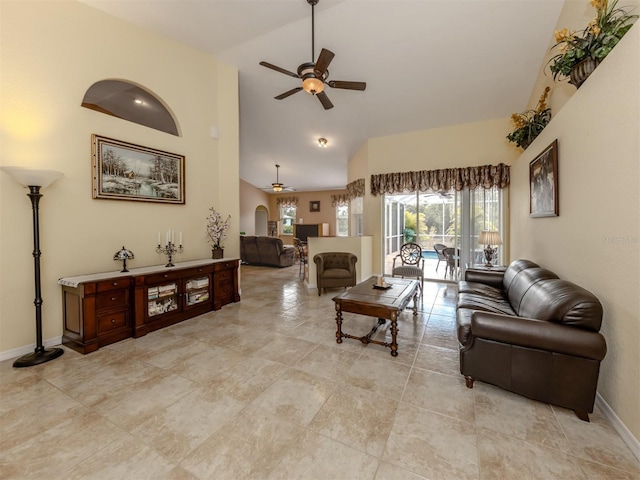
column 475, row 301
column 523, row 281
column 513, row 269
column 561, row 301
column 480, row 288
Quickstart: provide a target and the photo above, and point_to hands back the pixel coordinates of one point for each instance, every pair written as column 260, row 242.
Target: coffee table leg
column 339, row 323
column 415, row 304
column 394, row 334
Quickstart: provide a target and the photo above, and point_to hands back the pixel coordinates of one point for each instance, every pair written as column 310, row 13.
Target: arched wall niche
column 131, row 102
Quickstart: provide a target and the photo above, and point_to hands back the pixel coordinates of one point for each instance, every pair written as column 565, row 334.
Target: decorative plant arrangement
column 581, row 52
column 530, row 123
column 217, row 229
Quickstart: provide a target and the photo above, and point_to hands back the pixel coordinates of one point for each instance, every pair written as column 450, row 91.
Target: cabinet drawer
column 227, row 265
column 115, row 284
column 112, row 321
column 162, row 277
column 224, row 275
column 112, row 300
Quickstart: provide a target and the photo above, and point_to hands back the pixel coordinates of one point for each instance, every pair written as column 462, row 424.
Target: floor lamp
column 34, row 180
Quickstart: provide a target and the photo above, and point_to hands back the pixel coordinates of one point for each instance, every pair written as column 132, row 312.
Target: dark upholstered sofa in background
column 530, row 332
column 266, row 251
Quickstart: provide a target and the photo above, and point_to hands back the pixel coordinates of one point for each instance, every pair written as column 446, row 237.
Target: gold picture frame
column 126, row 171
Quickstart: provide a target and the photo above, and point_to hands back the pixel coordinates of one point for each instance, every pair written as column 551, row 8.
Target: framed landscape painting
column 543, row 183
column 125, row 171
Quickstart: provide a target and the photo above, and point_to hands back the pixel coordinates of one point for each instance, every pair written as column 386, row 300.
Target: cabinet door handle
column 113, row 299
column 166, row 275
column 113, row 320
column 115, row 284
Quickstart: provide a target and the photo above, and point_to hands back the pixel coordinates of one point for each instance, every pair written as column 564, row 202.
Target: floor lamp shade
column 34, row 180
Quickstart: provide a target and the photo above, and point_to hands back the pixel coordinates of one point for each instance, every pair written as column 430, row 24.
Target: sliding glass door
column 452, row 219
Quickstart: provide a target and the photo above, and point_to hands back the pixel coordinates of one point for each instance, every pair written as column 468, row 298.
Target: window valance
column 485, row 176
column 287, row 202
column 340, row 200
column 356, row 188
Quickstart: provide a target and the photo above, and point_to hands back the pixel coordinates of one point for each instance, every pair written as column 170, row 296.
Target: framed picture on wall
column 125, row 171
column 314, row 206
column 543, row 183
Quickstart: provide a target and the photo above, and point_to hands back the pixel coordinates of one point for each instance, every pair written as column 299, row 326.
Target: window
column 357, row 217
column 454, row 219
column 342, row 221
column 287, row 219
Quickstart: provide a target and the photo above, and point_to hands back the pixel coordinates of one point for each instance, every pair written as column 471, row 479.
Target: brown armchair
column 335, row 269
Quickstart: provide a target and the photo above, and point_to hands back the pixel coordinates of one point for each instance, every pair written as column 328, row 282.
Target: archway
column 261, row 218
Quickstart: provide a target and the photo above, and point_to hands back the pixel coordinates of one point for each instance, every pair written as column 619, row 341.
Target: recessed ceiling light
column 322, row 142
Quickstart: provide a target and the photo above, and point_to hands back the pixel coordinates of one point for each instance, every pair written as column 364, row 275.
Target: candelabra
column 170, row 249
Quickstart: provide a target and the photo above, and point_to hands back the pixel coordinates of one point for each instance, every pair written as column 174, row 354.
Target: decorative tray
column 386, row 286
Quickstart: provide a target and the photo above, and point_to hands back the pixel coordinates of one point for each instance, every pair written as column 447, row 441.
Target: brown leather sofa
column 529, row 332
column 266, row 251
column 335, row 269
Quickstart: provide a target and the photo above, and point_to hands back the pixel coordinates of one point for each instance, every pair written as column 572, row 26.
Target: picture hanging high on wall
column 125, row 171
column 543, row 183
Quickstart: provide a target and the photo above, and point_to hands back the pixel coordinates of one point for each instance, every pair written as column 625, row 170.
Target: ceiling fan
column 277, row 186
column 315, row 76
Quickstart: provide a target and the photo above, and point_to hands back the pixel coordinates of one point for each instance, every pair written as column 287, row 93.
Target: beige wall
column 595, row 241
column 327, row 213
column 251, row 198
column 575, row 15
column 51, row 52
column 471, row 144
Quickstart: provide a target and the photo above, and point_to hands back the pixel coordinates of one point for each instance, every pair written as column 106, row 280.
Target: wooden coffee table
column 386, row 304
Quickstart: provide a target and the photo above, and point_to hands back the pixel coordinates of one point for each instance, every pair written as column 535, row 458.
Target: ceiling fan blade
column 288, row 93
column 324, row 59
column 347, row 85
column 324, row 100
column 278, row 69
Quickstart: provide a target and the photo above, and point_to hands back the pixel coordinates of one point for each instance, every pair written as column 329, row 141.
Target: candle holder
column 170, row 249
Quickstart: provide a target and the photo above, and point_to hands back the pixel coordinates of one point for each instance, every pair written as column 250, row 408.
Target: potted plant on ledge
column 217, row 232
column 530, row 123
column 580, row 53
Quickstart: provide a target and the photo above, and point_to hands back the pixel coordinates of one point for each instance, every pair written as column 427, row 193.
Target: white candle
column 180, row 238
column 167, row 238
column 158, row 238
column 173, row 239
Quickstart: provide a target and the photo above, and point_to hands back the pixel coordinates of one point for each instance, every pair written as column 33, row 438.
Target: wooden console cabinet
column 101, row 309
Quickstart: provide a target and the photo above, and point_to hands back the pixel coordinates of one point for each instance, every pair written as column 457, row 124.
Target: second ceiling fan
column 315, row 76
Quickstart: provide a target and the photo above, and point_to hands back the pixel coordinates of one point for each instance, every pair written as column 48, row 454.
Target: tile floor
column 261, row 390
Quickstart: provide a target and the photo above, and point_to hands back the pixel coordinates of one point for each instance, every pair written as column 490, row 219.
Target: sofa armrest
column 492, row 278
column 538, row 334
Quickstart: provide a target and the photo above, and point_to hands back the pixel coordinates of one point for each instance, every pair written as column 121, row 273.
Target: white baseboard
column 627, row 437
column 18, row 352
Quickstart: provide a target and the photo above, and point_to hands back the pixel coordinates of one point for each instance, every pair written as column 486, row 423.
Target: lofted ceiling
column 427, row 64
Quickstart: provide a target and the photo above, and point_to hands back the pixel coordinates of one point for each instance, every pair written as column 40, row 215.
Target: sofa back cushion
column 250, row 249
column 561, row 301
column 523, row 281
column 270, row 249
column 512, row 271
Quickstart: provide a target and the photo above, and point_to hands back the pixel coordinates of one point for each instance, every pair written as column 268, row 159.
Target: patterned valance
column 287, row 202
column 356, row 188
column 340, row 200
column 485, row 176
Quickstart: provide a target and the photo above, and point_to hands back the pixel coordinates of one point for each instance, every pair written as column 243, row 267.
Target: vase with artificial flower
column 216, row 232
column 530, row 123
column 581, row 52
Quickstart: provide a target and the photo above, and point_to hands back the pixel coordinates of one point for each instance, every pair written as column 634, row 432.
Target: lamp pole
column 34, row 180
column 40, row 354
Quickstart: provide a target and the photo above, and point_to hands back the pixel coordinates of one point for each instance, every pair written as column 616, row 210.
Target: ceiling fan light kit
column 314, row 75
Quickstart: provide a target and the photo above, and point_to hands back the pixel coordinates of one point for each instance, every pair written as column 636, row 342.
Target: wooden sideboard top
column 96, row 277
